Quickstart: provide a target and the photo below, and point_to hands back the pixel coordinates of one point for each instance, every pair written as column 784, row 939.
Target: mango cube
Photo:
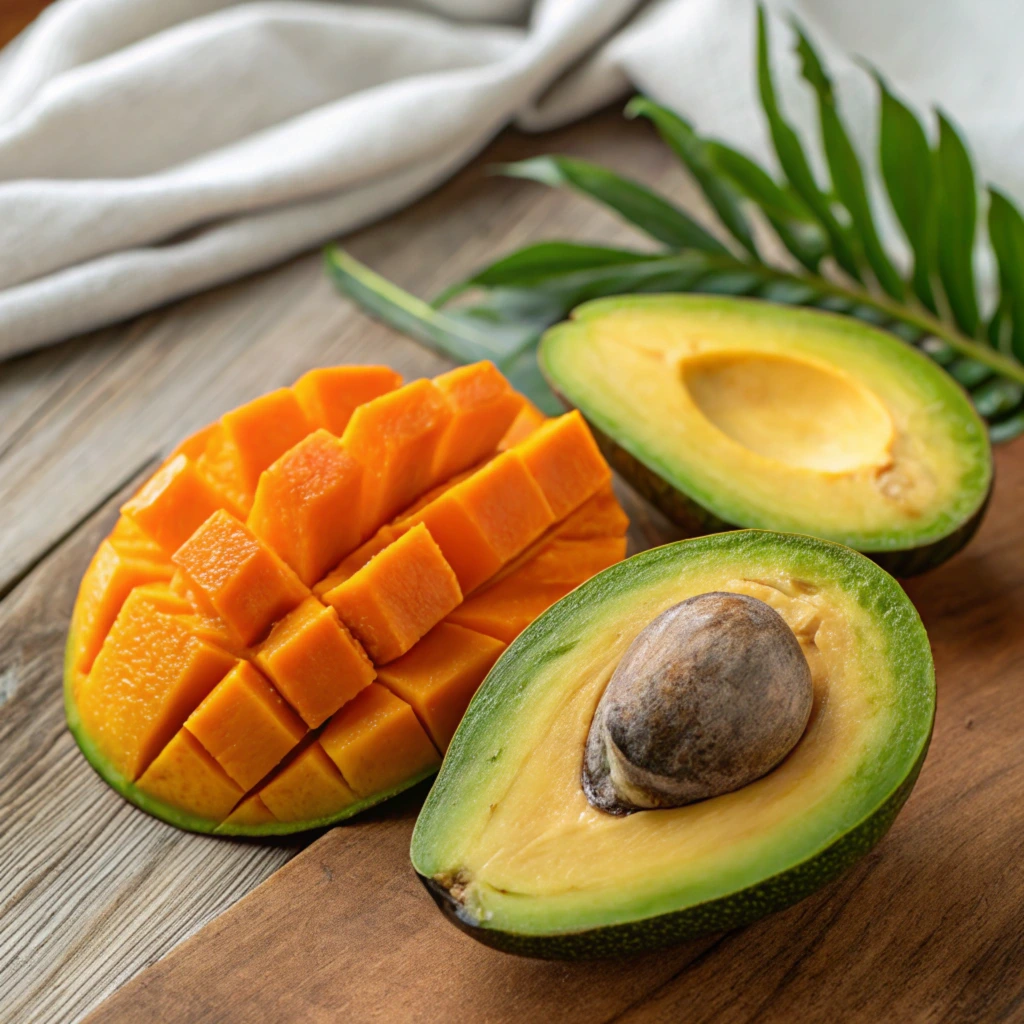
column 185, row 776
column 307, row 788
column 238, row 577
column 377, row 742
column 245, row 725
column 397, row 596
column 314, row 662
column 439, row 676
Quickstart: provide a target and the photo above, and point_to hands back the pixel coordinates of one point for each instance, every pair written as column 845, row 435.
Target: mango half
column 732, row 413
column 290, row 616
column 513, row 852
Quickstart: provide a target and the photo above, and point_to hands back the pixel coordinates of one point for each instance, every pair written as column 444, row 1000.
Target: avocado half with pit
column 730, row 412
column 517, row 842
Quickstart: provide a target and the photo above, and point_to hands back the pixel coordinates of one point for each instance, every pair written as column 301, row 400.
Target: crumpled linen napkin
column 153, row 148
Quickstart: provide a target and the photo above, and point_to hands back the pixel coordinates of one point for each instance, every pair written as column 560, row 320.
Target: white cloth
column 152, row 148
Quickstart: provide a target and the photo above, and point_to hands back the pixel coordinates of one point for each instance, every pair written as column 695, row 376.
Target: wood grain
column 16, row 14
column 926, row 928
column 91, row 890
column 82, row 411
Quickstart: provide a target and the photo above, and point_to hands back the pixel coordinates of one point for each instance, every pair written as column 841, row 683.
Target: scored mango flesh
column 291, row 615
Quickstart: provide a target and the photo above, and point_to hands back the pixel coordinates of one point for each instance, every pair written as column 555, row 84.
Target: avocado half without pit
column 733, row 412
column 697, row 737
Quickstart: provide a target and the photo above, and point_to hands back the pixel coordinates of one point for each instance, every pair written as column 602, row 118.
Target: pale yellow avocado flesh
column 540, row 837
column 778, row 419
column 791, row 411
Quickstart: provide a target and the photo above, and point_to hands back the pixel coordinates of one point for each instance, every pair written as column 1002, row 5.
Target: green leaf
column 692, row 150
column 457, row 337
column 997, row 397
column 845, row 169
column 1007, row 429
column 794, row 161
column 796, row 227
column 969, row 372
column 537, row 263
column 1006, row 232
column 518, row 297
column 957, row 204
column 639, row 205
column 907, row 171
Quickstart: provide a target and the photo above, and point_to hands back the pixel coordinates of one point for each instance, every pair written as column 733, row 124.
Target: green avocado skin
column 721, row 915
column 695, row 521
column 688, row 514
column 507, row 692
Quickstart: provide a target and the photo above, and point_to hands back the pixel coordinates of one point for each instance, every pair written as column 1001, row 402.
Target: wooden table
column 92, row 891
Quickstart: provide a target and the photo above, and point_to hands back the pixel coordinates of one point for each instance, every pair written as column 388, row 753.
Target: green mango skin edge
column 182, row 819
column 874, row 792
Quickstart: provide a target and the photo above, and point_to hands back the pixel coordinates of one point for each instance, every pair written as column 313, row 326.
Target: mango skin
column 175, row 816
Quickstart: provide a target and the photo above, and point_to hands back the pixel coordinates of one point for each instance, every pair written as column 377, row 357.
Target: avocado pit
column 711, row 695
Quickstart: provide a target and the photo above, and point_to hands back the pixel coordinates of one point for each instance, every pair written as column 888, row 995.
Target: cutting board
column 927, row 927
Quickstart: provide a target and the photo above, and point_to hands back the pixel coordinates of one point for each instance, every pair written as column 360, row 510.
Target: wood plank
column 83, row 410
column 926, row 928
column 16, row 15
column 92, row 890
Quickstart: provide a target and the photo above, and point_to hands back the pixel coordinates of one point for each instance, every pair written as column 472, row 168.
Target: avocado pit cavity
column 711, row 695
column 798, row 413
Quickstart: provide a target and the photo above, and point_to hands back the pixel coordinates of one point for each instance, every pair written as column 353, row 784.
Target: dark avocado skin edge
column 182, row 819
column 721, row 915
column 695, row 521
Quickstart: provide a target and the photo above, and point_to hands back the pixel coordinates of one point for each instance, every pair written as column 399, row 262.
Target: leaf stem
column 927, row 324
column 920, row 319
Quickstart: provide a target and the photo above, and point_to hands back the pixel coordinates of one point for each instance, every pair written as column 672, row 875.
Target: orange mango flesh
column 238, row 577
column 300, row 664
column 439, row 676
column 505, row 608
column 350, row 565
column 329, row 395
column 195, row 444
column 377, row 742
column 251, row 811
column 245, row 725
column 183, row 774
column 506, row 504
column 465, row 545
column 303, row 505
column 173, row 503
column 562, row 560
column 133, row 542
column 314, row 662
column 483, row 406
column 307, row 788
column 599, row 516
column 563, row 458
column 261, row 431
column 150, row 674
column 395, row 437
column 397, row 596
column 529, row 419
column 108, row 581
column 220, row 464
